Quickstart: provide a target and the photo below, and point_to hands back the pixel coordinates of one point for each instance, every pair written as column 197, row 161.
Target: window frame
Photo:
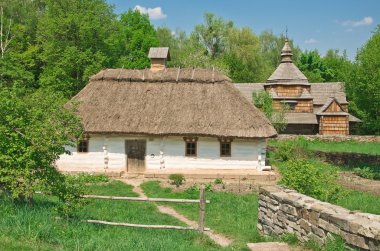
column 85, row 148
column 191, row 140
column 292, row 104
column 225, row 141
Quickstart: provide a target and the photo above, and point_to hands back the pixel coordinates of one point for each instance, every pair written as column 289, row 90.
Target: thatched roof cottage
column 314, row 107
column 172, row 118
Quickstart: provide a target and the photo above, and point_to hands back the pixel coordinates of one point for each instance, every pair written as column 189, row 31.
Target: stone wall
column 359, row 138
column 286, row 211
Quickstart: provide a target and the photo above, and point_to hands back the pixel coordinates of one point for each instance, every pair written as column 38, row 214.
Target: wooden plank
column 141, row 225
column 140, row 199
column 202, row 209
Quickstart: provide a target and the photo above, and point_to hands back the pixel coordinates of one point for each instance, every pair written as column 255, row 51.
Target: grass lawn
column 357, row 200
column 230, row 214
column 352, row 200
column 372, row 148
column 37, row 228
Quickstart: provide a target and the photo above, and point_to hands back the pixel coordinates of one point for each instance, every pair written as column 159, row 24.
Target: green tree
column 77, row 39
column 314, row 68
column 339, row 64
column 213, row 34
column 34, row 130
column 363, row 85
column 20, row 64
column 264, row 102
column 270, row 49
column 139, row 35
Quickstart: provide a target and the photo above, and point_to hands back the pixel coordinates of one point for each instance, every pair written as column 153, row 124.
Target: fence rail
column 202, row 211
column 141, row 199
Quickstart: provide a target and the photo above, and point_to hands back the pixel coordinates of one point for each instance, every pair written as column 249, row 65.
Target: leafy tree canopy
column 139, row 35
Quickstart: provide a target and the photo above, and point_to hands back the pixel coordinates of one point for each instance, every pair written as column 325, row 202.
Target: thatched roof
column 248, row 88
column 195, row 102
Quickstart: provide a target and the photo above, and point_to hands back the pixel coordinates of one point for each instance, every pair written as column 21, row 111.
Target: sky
column 322, row 25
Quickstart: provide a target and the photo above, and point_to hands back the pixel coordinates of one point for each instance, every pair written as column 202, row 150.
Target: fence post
column 202, row 208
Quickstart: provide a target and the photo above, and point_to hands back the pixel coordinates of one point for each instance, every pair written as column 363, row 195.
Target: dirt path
column 136, row 186
column 352, row 181
column 217, row 238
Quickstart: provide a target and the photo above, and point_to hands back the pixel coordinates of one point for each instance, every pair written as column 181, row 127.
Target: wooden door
column 135, row 150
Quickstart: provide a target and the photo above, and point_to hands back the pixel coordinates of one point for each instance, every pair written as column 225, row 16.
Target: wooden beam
column 141, row 225
column 141, row 199
column 202, row 209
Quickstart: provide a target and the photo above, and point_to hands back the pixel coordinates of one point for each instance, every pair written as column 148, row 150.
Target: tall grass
column 230, row 214
column 37, row 228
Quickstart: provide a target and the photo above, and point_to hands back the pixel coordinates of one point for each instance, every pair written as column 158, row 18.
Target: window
column 225, row 147
column 290, row 103
column 191, row 146
column 82, row 146
column 191, row 149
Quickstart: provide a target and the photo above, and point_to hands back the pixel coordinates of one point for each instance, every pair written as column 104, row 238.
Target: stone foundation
column 286, row 211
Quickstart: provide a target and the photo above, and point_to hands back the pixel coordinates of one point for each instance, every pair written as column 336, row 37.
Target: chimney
column 158, row 58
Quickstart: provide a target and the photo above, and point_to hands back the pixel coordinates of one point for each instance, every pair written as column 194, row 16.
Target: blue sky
column 322, row 24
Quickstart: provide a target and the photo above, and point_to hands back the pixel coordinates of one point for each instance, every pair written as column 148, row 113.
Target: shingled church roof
column 287, row 72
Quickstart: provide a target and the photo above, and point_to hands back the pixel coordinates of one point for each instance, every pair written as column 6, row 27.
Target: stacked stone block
column 286, row 211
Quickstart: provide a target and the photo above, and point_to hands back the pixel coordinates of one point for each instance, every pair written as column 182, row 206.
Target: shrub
column 218, row 181
column 365, row 172
column 69, row 194
column 291, row 149
column 308, row 178
column 177, row 179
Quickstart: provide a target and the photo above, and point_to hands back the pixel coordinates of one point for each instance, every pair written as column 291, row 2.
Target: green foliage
column 38, row 228
column 69, row 192
column 139, row 35
column 225, row 210
column 218, row 181
column 87, row 178
column 290, row 238
column 350, row 146
column 270, row 50
column 177, row 179
column 335, row 243
column 358, row 200
column 34, row 129
column 313, row 66
column 311, row 179
column 363, row 85
column 213, row 34
column 365, row 172
column 77, row 39
column 264, row 102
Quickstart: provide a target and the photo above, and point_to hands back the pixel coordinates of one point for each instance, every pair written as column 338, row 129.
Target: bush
column 218, row 181
column 290, row 149
column 365, row 172
column 307, row 178
column 177, row 179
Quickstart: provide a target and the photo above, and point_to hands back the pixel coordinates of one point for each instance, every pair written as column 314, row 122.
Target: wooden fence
column 202, row 210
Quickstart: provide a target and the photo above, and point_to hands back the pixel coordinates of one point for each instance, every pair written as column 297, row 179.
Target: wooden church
column 314, row 108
